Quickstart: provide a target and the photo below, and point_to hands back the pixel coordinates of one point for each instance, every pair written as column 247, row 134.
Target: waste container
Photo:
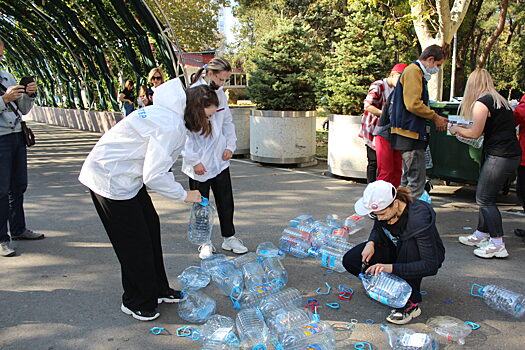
column 453, row 160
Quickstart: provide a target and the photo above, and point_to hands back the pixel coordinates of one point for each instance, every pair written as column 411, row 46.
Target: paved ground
column 64, row 292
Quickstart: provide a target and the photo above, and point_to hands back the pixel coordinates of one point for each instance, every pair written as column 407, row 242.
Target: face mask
column 432, row 71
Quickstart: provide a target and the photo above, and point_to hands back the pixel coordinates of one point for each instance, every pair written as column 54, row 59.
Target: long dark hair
column 218, row 64
column 198, row 98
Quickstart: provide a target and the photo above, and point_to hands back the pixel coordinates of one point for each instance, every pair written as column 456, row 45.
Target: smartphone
column 26, row 80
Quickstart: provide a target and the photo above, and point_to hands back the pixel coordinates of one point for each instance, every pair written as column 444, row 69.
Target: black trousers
column 133, row 228
column 352, row 262
column 221, row 185
column 371, row 168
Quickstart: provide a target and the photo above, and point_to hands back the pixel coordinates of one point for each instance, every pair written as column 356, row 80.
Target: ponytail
column 218, row 64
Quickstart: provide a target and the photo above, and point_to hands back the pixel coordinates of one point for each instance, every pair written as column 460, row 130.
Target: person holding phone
column 16, row 100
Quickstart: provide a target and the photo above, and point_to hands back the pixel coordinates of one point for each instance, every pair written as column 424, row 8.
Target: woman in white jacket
column 206, row 158
column 137, row 153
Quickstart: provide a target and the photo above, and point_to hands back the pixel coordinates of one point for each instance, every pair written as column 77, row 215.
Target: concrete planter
column 283, row 137
column 241, row 120
column 346, row 150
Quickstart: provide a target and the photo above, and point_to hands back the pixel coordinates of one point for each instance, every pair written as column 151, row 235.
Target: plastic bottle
column 386, row 288
column 229, row 280
column 269, row 250
column 355, row 223
column 310, row 333
column 295, row 232
column 275, row 272
column 208, row 263
column 476, row 143
column 406, row 339
column 218, row 345
column 331, row 258
column 339, row 244
column 286, row 298
column 451, row 328
column 254, row 276
column 321, row 234
column 294, row 246
column 501, row 299
column 283, row 319
column 334, row 221
column 218, row 328
column 239, row 261
column 201, row 222
column 253, row 298
column 196, row 307
column 301, row 219
column 252, row 330
column 194, row 278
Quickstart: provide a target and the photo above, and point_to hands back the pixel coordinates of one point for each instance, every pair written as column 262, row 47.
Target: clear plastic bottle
column 340, row 244
column 294, row 246
column 275, row 272
column 301, row 219
column 310, row 333
column 355, row 223
column 201, row 222
column 269, row 250
column 218, row 328
column 334, row 221
column 239, row 261
column 253, row 298
column 194, row 278
column 254, row 276
column 228, row 279
column 295, row 232
column 451, row 328
column 282, row 299
column 406, row 339
column 218, row 345
column 321, row 233
column 283, row 319
column 501, row 299
column 386, row 288
column 196, row 307
column 208, row 263
column 331, row 258
column 252, row 329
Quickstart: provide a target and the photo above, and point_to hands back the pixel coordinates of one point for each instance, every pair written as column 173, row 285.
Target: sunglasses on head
column 156, row 78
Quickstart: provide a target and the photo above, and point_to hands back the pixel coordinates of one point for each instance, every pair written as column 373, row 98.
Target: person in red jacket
column 519, row 118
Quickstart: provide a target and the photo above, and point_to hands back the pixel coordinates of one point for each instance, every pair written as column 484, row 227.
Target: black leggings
column 352, row 262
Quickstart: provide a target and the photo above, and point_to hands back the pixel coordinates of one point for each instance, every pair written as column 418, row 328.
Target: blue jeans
column 13, row 184
column 494, row 172
column 127, row 108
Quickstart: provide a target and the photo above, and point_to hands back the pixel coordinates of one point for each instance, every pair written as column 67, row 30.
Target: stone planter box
column 283, row 137
column 346, row 150
column 241, row 120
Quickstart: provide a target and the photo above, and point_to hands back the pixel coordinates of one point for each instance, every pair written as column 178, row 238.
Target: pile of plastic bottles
column 326, row 240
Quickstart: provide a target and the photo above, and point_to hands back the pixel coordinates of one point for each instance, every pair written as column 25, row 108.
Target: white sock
column 480, row 234
column 497, row 241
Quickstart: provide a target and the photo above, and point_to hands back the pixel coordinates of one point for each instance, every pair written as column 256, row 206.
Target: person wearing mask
column 15, row 101
column 492, row 117
column 404, row 241
column 206, row 157
column 136, row 154
column 375, row 100
column 127, row 96
column 519, row 118
column 410, row 112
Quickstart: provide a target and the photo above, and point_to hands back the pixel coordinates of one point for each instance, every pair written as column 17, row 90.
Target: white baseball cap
column 377, row 196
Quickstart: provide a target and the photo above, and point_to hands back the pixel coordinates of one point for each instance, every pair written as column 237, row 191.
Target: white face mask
column 432, row 71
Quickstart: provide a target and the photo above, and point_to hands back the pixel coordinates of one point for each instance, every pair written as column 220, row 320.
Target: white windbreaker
column 209, row 150
column 141, row 149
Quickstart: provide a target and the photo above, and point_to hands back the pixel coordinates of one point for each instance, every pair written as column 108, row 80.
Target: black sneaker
column 404, row 315
column 139, row 314
column 170, row 296
column 519, row 232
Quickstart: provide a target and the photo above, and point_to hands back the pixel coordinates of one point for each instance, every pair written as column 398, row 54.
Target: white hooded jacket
column 209, row 150
column 141, row 149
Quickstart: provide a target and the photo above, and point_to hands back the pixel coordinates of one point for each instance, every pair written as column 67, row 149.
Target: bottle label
column 378, row 297
column 328, row 261
column 416, row 340
column 311, row 328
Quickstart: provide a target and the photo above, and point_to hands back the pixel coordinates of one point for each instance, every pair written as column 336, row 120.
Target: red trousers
column 389, row 162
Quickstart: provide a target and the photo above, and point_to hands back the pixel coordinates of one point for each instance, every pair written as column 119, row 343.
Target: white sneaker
column 472, row 240
column 206, row 250
column 491, row 251
column 234, row 244
column 6, row 250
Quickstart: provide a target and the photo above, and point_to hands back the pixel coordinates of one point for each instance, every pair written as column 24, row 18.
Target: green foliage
column 285, row 74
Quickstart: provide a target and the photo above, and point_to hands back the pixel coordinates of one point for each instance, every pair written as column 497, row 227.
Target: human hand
column 13, row 93
column 199, row 169
column 227, row 154
column 378, row 268
column 368, row 252
column 31, row 88
column 441, row 123
column 193, row 197
column 453, row 130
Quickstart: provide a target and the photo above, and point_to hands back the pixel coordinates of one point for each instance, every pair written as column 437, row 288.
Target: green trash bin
column 452, row 160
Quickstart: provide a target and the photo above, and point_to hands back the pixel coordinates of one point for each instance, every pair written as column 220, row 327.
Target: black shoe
column 519, row 232
column 170, row 296
column 139, row 314
column 28, row 235
column 404, row 315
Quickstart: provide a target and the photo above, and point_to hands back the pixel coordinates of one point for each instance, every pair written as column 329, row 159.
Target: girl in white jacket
column 206, row 157
column 137, row 153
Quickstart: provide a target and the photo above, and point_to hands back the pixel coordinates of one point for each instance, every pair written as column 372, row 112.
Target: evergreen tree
column 285, row 76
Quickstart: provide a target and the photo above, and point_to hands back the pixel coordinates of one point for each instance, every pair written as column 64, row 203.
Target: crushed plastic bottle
column 341, row 245
column 355, row 223
column 254, row 276
column 386, row 288
column 406, row 339
column 252, row 329
column 295, row 232
column 275, row 272
column 294, row 246
column 196, row 307
column 331, row 258
column 229, row 280
column 201, row 222
column 500, row 299
column 451, row 328
column 239, row 261
column 208, row 263
column 194, row 278
column 280, row 300
column 321, row 233
column 283, row 319
column 310, row 333
column 269, row 250
column 301, row 219
column 217, row 328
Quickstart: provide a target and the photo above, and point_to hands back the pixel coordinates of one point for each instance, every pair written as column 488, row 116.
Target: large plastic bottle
column 310, row 333
column 218, row 345
column 269, row 250
column 239, row 261
column 283, row 319
column 218, row 328
column 331, row 258
column 208, row 263
column 295, row 232
column 339, row 244
column 275, row 272
column 253, row 332
column 501, row 299
column 301, row 219
column 294, row 246
column 355, row 223
column 451, row 328
column 229, row 280
column 321, row 234
column 286, row 298
column 254, row 276
column 253, row 298
column 386, row 288
column 194, row 278
column 196, row 307
column 406, row 339
column 201, row 222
